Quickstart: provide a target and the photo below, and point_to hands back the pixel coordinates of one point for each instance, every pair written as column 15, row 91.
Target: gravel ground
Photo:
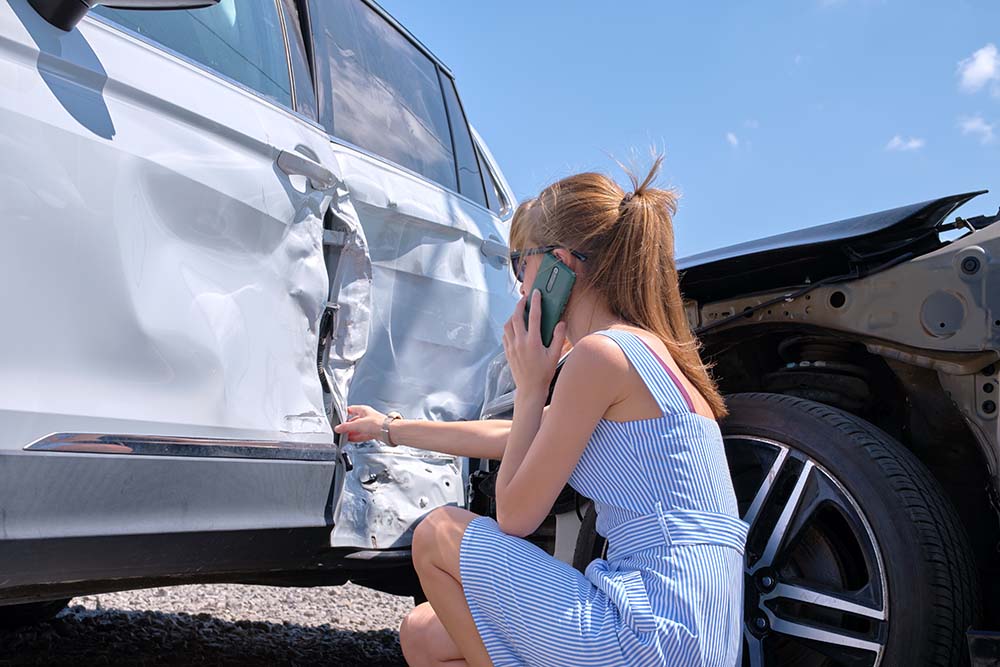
column 218, row 625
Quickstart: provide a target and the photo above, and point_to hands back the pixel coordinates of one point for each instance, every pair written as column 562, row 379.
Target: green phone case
column 555, row 281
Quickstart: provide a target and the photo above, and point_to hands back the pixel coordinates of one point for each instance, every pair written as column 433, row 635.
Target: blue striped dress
column 669, row 591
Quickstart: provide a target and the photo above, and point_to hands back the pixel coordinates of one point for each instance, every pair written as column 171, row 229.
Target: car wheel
column 16, row 615
column 854, row 556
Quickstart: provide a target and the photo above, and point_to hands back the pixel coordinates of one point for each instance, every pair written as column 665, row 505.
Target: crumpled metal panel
column 438, row 305
column 160, row 272
column 350, row 276
column 436, row 319
column 387, row 492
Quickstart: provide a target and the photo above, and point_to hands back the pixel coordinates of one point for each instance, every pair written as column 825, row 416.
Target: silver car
column 217, row 226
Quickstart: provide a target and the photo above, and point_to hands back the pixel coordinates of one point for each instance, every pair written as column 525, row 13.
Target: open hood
column 818, row 252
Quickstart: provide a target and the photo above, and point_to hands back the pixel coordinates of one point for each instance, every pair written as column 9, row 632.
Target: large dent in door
column 306, row 283
column 279, row 392
column 387, row 492
column 436, row 320
column 438, row 305
column 182, row 299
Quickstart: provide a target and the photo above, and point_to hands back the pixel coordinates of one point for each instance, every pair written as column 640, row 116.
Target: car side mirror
column 65, row 14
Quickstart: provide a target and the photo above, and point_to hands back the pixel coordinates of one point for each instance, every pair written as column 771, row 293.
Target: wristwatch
column 385, row 427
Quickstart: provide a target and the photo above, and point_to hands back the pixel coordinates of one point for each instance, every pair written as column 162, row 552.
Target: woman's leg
column 425, row 642
column 436, row 543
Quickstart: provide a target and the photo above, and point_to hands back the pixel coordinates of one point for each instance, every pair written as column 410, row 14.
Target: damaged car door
column 168, row 198
column 437, row 238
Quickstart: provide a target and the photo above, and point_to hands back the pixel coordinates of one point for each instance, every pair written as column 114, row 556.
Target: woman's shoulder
column 647, row 338
column 596, row 366
column 600, row 352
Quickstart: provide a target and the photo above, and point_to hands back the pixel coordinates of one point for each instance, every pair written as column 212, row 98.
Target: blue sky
column 773, row 116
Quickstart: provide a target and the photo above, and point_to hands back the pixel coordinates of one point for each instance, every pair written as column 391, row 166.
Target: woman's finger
column 558, row 339
column 535, row 315
column 518, row 317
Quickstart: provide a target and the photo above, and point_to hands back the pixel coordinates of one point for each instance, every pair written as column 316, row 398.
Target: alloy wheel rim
column 815, row 579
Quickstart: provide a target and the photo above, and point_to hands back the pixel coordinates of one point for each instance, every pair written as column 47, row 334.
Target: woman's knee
column 424, row 538
column 409, row 634
column 417, row 636
column 440, row 528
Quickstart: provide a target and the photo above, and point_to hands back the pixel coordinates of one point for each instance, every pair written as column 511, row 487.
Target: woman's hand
column 532, row 365
column 363, row 423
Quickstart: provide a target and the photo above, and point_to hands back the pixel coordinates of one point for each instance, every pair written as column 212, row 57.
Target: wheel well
column 906, row 401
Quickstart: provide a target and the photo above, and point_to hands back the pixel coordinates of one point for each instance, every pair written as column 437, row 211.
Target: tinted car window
column 470, row 181
column 242, row 40
column 494, row 196
column 384, row 94
column 305, row 97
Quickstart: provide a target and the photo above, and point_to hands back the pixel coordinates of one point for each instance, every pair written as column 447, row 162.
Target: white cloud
column 797, row 59
column 977, row 127
column 898, row 143
column 733, row 140
column 979, row 69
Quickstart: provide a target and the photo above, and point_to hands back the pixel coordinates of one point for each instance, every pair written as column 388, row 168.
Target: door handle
column 293, row 164
column 494, row 249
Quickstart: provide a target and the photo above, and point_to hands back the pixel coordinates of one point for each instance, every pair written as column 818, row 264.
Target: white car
column 217, row 226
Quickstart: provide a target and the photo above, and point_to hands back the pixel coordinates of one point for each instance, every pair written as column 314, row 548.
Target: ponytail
column 629, row 241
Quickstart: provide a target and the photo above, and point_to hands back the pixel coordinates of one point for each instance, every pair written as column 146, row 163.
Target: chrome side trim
column 156, row 445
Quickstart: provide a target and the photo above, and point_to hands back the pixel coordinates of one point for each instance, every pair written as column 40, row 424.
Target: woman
column 631, row 425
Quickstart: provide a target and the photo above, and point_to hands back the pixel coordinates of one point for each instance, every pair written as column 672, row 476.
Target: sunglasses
column 517, row 263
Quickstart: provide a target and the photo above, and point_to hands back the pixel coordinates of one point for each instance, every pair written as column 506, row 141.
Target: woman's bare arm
column 484, row 439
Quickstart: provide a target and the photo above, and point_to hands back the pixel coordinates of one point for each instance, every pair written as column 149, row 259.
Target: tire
column 16, row 615
column 872, row 565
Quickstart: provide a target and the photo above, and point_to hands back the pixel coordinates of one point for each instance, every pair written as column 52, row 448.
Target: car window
column 241, row 40
column 495, row 198
column 295, row 28
column 383, row 93
column 470, row 181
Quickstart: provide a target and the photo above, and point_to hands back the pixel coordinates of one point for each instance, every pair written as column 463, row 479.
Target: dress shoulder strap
column 670, row 395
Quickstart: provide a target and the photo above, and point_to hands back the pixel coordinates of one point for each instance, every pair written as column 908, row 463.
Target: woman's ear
column 566, row 258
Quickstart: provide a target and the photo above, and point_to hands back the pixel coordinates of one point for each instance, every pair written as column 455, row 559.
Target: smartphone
column 555, row 281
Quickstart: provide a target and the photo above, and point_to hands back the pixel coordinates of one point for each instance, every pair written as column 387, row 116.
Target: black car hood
column 814, row 253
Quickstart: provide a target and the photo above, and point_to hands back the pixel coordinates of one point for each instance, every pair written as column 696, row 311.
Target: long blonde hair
column 628, row 239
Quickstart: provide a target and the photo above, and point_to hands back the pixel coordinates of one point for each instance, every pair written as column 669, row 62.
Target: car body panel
column 439, row 302
column 814, row 253
column 177, row 290
column 935, row 311
column 175, row 279
column 78, row 495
